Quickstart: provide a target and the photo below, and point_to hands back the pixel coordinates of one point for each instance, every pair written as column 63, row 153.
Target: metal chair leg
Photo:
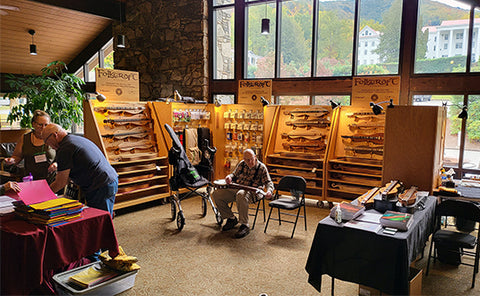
column 296, row 220
column 256, row 214
column 305, row 216
column 268, row 220
column 429, row 255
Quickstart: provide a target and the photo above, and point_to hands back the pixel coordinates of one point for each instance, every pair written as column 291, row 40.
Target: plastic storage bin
column 113, row 286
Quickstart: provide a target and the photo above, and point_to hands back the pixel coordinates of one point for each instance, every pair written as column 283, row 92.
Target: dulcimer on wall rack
column 306, row 113
column 373, row 138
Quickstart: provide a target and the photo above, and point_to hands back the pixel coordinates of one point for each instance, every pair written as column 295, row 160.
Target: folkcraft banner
column 250, row 91
column 118, row 85
column 375, row 89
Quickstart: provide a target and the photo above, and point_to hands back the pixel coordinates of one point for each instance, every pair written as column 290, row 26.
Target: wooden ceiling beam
column 112, row 9
column 90, row 50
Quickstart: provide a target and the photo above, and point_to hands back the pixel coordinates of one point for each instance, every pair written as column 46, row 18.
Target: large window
column 260, row 55
column 335, row 31
column 442, row 37
column 380, row 23
column 224, row 37
column 462, row 136
column 102, row 59
column 307, row 38
column 295, row 38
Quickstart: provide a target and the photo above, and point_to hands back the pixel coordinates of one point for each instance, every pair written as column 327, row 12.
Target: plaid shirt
column 245, row 176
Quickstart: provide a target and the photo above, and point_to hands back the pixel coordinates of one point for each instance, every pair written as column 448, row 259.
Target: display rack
column 237, row 127
column 297, row 141
column 127, row 133
column 355, row 158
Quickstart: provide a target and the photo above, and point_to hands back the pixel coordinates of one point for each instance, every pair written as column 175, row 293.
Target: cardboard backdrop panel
column 375, row 89
column 250, row 91
column 118, row 85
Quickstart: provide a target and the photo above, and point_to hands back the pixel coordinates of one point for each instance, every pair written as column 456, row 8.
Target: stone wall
column 167, row 43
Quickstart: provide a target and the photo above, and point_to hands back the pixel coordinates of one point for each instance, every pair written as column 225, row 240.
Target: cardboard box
column 415, row 286
column 113, row 286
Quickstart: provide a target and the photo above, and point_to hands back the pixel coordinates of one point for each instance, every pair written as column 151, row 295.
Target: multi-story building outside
column 450, row 39
column 367, row 43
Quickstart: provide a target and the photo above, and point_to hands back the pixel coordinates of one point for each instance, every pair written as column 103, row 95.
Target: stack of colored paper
column 92, row 276
column 52, row 212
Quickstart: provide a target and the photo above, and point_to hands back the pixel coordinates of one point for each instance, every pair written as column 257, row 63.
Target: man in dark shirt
column 250, row 172
column 81, row 160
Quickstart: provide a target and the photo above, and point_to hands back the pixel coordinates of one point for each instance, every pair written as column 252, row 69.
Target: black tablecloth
column 372, row 259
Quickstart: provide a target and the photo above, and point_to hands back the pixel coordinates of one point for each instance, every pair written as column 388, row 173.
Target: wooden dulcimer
column 409, row 197
column 306, row 113
column 366, row 199
column 391, row 190
column 373, row 138
column 222, row 185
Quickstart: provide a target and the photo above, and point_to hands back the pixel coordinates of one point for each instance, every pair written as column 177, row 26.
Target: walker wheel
column 173, row 209
column 180, row 221
column 204, row 207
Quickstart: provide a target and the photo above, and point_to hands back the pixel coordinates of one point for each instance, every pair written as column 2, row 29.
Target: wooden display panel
column 237, row 127
column 414, row 140
column 127, row 132
column 297, row 141
column 355, row 156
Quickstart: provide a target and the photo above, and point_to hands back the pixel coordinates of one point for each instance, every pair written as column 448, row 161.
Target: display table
column 29, row 251
column 373, row 259
column 466, row 194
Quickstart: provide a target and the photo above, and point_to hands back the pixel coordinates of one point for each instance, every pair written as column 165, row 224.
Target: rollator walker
column 185, row 175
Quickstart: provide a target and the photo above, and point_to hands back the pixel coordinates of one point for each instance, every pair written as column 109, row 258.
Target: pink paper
column 33, row 192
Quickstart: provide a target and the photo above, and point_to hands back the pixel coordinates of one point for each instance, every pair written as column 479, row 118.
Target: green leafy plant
column 56, row 92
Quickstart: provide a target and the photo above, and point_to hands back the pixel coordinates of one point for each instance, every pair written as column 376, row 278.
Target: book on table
column 398, row 220
column 349, row 211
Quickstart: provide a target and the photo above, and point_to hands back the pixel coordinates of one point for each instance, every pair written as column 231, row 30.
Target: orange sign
column 375, row 89
column 250, row 91
column 118, row 85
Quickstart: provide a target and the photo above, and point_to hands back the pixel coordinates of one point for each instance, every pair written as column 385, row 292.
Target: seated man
column 250, row 172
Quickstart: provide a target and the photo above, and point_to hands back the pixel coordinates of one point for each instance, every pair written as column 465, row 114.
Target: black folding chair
column 295, row 187
column 454, row 242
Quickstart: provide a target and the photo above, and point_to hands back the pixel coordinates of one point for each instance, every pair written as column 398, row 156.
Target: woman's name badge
column 40, row 158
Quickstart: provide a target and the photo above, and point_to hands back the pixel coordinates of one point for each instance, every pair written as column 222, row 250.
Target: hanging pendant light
column 121, row 41
column 33, row 47
column 121, row 37
column 265, row 23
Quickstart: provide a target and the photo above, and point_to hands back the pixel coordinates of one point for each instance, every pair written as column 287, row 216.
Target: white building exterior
column 450, row 39
column 368, row 41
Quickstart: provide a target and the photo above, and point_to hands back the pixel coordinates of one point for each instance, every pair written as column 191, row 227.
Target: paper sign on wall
column 250, row 91
column 375, row 89
column 118, row 85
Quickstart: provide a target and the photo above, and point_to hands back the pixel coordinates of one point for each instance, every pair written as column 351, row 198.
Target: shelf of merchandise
column 143, row 173
column 297, row 139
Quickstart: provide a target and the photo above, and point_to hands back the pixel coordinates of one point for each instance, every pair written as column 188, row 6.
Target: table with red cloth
column 29, row 252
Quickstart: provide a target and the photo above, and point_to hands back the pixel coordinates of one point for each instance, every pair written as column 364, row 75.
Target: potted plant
column 56, row 92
